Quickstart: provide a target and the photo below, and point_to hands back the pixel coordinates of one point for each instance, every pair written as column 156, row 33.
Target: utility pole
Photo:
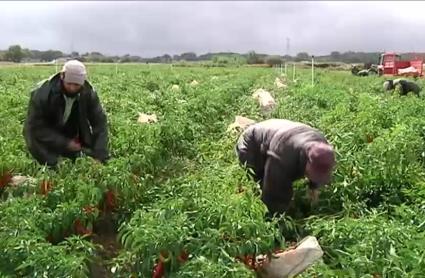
column 312, row 70
column 288, row 43
column 71, row 43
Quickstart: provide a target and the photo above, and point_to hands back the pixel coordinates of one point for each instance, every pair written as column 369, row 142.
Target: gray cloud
column 155, row 28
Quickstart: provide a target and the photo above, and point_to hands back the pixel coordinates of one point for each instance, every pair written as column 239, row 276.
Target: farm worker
column 356, row 71
column 278, row 152
column 66, row 118
column 405, row 86
column 363, row 73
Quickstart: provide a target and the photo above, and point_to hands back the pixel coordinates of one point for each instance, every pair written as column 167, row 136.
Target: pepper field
column 174, row 188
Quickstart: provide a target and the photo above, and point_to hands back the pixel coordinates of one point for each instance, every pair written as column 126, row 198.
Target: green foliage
column 273, row 60
column 179, row 187
column 373, row 244
column 229, row 60
column 199, row 266
column 14, row 54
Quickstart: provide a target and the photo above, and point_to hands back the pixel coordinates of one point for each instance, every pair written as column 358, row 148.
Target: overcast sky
column 156, row 27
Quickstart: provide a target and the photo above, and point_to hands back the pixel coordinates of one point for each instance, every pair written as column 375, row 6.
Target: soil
column 105, row 233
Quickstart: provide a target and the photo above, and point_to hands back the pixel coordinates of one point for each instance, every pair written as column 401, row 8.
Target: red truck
column 391, row 64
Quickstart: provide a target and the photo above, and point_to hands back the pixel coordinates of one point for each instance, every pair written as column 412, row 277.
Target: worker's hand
column 74, row 146
column 313, row 196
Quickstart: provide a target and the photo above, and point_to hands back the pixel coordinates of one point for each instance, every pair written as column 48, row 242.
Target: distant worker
column 278, row 152
column 404, row 86
column 354, row 69
column 365, row 72
column 66, row 118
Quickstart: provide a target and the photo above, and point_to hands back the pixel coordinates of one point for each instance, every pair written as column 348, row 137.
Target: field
column 175, row 187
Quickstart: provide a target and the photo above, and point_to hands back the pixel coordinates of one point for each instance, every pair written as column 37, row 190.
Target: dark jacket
column 276, row 150
column 44, row 128
column 406, row 86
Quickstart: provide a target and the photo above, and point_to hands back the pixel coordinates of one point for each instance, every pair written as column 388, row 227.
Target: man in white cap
column 66, row 118
column 277, row 152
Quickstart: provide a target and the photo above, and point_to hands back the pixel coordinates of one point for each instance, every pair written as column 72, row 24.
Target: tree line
column 17, row 54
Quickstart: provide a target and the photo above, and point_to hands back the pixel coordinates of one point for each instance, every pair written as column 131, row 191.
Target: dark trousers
column 46, row 156
column 51, row 159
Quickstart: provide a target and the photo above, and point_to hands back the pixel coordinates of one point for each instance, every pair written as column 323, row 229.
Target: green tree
column 75, row 54
column 50, row 55
column 253, row 58
column 273, row 60
column 188, row 56
column 287, row 58
column 14, row 54
column 302, row 56
column 335, row 55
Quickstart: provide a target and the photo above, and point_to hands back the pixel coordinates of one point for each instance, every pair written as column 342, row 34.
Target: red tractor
column 391, row 64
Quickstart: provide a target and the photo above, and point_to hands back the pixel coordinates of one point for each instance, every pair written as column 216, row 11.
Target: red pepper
column 183, row 256
column 278, row 250
column 253, row 262
column 262, row 262
column 45, row 187
column 89, row 209
column 110, row 201
column 5, row 179
column 248, row 260
column 158, row 270
column 80, row 229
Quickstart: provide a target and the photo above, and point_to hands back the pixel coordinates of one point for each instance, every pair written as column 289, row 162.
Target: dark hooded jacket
column 44, row 130
column 406, row 86
column 276, row 151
